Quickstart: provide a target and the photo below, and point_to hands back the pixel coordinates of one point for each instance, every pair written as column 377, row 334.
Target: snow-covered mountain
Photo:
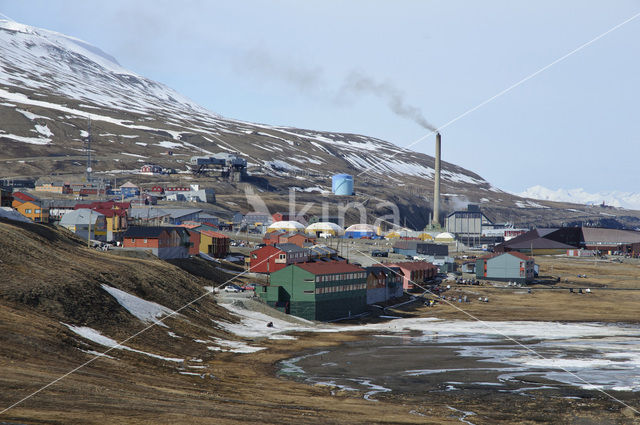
column 46, row 70
column 628, row 200
column 51, row 85
column 43, row 60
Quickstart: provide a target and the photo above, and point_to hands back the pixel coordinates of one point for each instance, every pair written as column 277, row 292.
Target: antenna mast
column 88, row 149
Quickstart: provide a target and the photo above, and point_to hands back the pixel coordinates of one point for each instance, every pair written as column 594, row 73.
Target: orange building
column 33, row 210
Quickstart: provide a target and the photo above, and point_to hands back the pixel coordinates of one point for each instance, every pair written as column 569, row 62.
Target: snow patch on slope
column 95, row 336
column 146, row 311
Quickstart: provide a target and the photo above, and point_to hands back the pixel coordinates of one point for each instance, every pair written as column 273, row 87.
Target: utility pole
column 89, row 232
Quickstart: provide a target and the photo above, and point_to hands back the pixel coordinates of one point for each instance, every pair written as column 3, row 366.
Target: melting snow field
column 146, row 311
column 95, row 336
column 506, row 356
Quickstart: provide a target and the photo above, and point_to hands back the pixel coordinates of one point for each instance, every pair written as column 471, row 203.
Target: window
column 133, row 240
column 28, row 210
column 310, row 291
column 145, row 240
column 283, row 256
column 37, row 211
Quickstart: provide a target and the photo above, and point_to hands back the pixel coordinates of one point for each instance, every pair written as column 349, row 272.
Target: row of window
column 28, row 211
column 341, row 288
column 336, row 277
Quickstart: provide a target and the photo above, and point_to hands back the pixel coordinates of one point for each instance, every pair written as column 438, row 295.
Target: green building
column 318, row 291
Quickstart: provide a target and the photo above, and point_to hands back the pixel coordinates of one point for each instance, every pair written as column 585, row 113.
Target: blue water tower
column 342, row 184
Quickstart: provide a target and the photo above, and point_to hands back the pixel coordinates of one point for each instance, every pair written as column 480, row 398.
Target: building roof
column 148, row 213
column 146, row 231
column 286, row 225
column 190, row 225
column 289, row 247
column 80, row 216
column 291, row 234
column 323, row 250
column 24, row 196
column 274, row 235
column 62, row 203
column 181, row 212
column 594, row 235
column 329, row 268
column 214, row 234
column 11, row 214
column 410, row 265
column 105, row 205
column 540, row 239
column 379, row 268
column 515, row 254
column 129, row 184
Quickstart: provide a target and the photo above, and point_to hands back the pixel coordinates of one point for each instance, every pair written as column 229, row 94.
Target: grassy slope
column 50, row 277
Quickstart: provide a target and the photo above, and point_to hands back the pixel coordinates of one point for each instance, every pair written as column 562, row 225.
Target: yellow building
column 54, row 188
column 33, row 210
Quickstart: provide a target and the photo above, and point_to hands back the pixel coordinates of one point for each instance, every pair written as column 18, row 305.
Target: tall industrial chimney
column 436, row 185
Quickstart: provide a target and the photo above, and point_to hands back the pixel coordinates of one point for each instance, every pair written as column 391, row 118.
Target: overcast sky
column 311, row 64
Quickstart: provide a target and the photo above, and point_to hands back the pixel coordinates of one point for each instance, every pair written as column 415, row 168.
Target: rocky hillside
column 52, row 85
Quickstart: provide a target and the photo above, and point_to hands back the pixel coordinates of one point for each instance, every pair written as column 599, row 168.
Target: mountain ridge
column 50, row 87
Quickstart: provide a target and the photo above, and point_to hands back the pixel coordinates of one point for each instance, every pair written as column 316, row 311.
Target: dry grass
column 51, row 277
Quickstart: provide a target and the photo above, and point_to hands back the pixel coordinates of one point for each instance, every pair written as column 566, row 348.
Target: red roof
column 189, row 225
column 330, row 267
column 214, row 234
column 23, row 196
column 104, row 205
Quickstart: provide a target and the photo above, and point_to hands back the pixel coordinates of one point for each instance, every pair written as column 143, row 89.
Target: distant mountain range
column 51, row 85
column 628, row 200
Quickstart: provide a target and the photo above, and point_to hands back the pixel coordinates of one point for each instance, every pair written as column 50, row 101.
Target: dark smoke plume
column 311, row 79
column 357, row 83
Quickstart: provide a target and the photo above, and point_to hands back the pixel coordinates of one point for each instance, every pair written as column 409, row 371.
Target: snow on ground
column 254, row 324
column 146, row 311
column 44, row 130
column 233, row 346
column 29, row 115
column 29, row 140
column 95, row 336
column 134, row 154
column 310, row 189
column 95, row 353
column 279, row 164
column 169, row 145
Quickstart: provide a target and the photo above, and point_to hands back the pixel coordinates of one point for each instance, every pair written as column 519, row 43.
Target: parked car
column 233, row 288
column 249, row 287
column 379, row 253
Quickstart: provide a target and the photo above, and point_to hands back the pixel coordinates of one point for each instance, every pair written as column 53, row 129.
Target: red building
column 273, row 238
column 214, row 244
column 295, row 238
column 164, row 242
column 299, row 239
column 172, row 189
column 414, row 272
column 150, row 169
column 280, row 216
column 194, row 242
column 157, row 190
column 271, row 258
